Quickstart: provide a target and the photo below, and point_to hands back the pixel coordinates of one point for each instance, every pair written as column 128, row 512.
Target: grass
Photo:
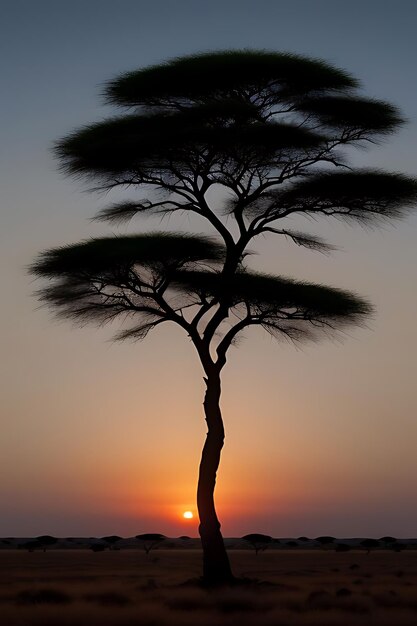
column 124, row 588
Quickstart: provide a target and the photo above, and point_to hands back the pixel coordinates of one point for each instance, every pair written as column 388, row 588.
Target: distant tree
column 46, row 541
column 303, row 539
column 258, row 541
column 292, row 544
column 392, row 543
column 267, row 129
column 387, row 540
column 324, row 540
column 150, row 541
column 111, row 540
column 369, row 544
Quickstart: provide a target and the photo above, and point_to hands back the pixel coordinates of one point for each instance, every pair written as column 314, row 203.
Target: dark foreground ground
column 125, row 588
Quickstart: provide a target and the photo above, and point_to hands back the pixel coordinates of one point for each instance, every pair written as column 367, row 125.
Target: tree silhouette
column 369, row 544
column 269, row 130
column 388, row 540
column 111, row 541
column 46, row 540
column 324, row 540
column 258, row 541
column 150, row 541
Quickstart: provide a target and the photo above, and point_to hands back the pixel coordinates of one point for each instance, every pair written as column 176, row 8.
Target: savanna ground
column 126, row 588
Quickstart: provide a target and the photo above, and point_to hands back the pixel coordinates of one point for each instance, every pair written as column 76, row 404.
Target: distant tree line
column 257, row 541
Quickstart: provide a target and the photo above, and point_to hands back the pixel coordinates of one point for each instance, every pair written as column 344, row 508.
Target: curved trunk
column 216, row 566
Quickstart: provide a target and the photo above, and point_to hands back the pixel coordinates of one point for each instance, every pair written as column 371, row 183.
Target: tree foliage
column 150, row 541
column 111, row 540
column 325, row 540
column 370, row 544
column 271, row 129
column 273, row 132
column 46, row 541
column 258, row 541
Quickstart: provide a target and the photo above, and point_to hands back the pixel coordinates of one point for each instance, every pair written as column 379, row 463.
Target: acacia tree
column 269, row 129
column 258, row 541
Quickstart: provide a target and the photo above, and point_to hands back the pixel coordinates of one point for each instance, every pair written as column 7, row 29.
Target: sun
column 188, row 515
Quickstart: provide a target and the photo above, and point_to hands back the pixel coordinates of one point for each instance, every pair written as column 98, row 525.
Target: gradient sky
column 100, row 437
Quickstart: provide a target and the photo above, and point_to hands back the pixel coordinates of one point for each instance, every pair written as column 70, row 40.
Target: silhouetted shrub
column 324, row 540
column 46, row 540
column 111, row 540
column 388, row 539
column 150, row 540
column 258, row 541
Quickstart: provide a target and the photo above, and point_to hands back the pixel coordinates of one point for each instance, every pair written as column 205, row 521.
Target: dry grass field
column 126, row 588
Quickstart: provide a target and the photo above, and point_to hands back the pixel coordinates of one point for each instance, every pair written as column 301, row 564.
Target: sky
column 99, row 437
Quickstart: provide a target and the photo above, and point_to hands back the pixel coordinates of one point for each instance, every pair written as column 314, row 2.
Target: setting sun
column 188, row 515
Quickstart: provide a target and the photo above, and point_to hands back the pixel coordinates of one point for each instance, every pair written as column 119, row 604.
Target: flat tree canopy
column 270, row 130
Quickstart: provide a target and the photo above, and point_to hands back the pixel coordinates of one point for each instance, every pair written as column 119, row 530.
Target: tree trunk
column 216, row 566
